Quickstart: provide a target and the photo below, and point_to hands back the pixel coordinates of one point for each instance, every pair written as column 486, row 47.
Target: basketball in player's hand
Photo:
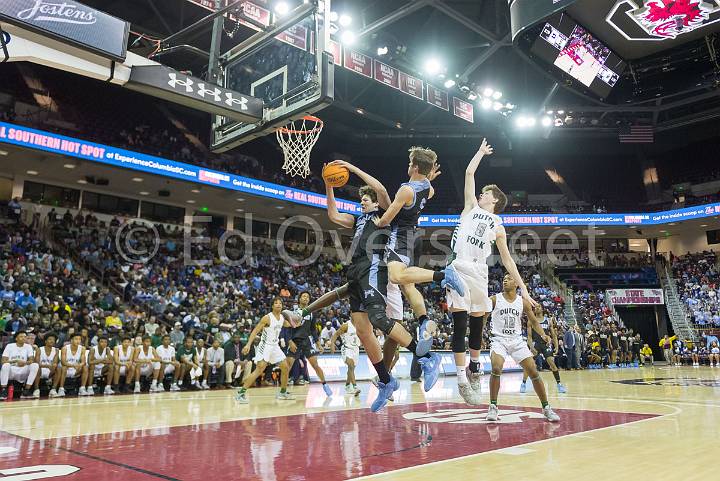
column 335, row 175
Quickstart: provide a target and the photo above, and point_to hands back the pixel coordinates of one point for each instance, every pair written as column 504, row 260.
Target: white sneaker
column 474, row 379
column 82, row 392
column 175, row 387
column 285, row 396
column 36, row 394
column 469, row 395
column 137, row 388
column 241, row 397
column 61, row 392
column 357, row 390
column 550, row 415
column 108, row 391
column 349, row 389
column 154, row 388
column 492, row 414
column 204, row 385
column 160, row 388
column 53, row 393
column 89, row 391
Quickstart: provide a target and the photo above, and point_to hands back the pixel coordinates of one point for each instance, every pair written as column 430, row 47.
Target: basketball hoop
column 297, row 142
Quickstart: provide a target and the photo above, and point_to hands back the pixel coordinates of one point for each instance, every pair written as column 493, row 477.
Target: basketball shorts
column 350, row 353
column 123, row 371
column 21, row 374
column 45, row 373
column 394, row 302
column 271, row 354
column 368, row 281
column 305, row 348
column 72, row 373
column 514, row 347
column 543, row 348
column 404, row 245
column 98, row 370
column 474, row 276
column 147, row 369
column 169, row 368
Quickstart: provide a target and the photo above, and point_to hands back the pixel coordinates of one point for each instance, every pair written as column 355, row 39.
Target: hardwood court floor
column 623, row 424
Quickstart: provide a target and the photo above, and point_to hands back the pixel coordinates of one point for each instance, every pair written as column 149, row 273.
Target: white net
column 297, row 140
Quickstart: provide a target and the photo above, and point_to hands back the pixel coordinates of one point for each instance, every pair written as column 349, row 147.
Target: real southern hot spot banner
column 647, row 297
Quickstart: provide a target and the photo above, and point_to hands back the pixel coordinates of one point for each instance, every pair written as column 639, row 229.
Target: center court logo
column 64, row 12
column 472, row 416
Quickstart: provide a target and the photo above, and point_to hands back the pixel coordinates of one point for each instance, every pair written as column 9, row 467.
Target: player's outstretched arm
column 469, row 192
column 509, row 263
column 376, row 185
column 329, row 298
column 404, row 196
column 336, row 334
column 341, row 219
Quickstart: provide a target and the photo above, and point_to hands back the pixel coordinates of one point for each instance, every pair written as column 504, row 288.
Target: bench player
column 47, row 358
column 267, row 352
column 538, row 346
column 18, row 364
column 350, row 353
column 100, row 363
column 507, row 341
column 123, row 356
column 146, row 363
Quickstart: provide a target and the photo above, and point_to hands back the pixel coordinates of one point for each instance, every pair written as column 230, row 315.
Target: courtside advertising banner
column 70, row 22
column 639, row 297
column 116, row 157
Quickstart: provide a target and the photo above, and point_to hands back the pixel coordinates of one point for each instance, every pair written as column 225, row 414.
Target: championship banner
column 336, row 50
column 640, row 297
column 295, row 36
column 438, row 98
column 463, row 109
column 72, row 23
column 412, row 86
column 385, row 74
column 359, row 63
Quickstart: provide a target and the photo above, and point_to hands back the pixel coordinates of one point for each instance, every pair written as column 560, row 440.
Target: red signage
column 295, row 36
column 437, row 97
column 250, row 10
column 358, row 63
column 463, row 109
column 336, row 49
column 411, row 85
column 387, row 75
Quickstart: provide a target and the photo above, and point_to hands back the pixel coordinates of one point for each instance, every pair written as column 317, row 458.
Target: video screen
column 572, row 49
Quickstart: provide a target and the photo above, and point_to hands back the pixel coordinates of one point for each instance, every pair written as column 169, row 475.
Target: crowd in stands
column 698, row 284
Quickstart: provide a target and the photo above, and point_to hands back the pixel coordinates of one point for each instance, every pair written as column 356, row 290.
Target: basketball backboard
column 286, row 66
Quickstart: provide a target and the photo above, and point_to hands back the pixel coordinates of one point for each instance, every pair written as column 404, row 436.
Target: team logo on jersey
column 670, row 381
column 480, row 231
column 472, row 416
column 662, row 19
column 369, row 293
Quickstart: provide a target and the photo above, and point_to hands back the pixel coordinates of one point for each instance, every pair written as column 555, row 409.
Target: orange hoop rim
column 318, row 126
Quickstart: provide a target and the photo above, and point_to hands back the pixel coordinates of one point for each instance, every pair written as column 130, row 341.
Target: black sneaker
column 26, row 394
column 3, row 394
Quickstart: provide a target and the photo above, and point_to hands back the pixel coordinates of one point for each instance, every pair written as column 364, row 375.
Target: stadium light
column 450, row 83
column 347, row 37
column 496, row 95
column 488, row 92
column 546, row 121
column 382, row 51
column 345, row 20
column 432, row 66
column 486, row 104
column 334, row 16
column 531, row 121
column 497, row 106
column 281, row 8
column 521, row 121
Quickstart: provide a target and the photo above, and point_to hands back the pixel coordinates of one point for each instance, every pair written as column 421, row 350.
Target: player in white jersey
column 100, row 364
column 47, row 357
column 267, row 352
column 480, row 227
column 350, row 353
column 167, row 364
column 72, row 362
column 201, row 362
column 123, row 357
column 214, row 361
column 507, row 340
column 18, row 364
column 146, row 363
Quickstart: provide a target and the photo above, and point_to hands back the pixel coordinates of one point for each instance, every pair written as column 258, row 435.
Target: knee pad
column 379, row 319
column 536, row 378
column 460, row 321
column 496, row 373
column 476, row 328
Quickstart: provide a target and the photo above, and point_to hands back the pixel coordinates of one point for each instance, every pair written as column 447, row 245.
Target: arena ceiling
column 471, row 39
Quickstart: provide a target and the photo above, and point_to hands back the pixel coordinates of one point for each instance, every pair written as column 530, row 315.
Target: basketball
column 335, row 175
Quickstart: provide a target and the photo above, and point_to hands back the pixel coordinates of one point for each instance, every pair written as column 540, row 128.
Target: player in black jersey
column 367, row 277
column 302, row 342
column 538, row 346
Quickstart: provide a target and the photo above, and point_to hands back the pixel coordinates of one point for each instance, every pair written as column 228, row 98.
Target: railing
column 679, row 317
column 565, row 293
